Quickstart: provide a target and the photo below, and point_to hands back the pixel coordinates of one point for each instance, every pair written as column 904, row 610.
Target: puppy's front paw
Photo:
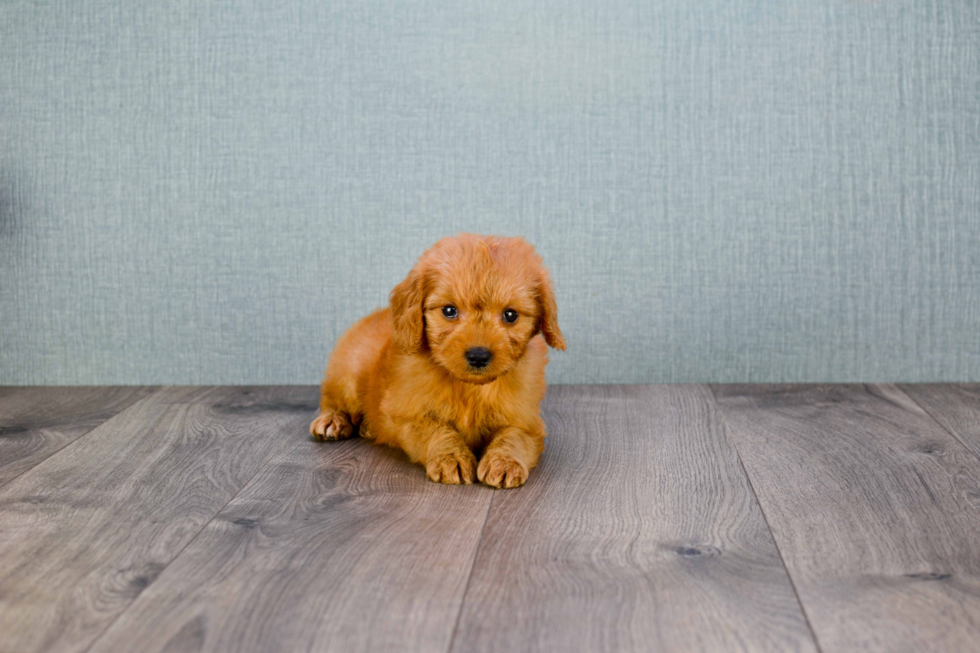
column 454, row 468
column 501, row 470
column 331, row 425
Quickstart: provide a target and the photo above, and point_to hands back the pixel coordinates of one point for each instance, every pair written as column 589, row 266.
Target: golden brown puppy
column 455, row 367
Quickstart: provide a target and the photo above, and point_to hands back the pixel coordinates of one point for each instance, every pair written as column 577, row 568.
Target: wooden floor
column 661, row 518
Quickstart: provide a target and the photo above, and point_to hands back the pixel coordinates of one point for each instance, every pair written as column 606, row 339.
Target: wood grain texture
column 955, row 406
column 334, row 546
column 637, row 532
column 83, row 533
column 875, row 508
column 35, row 422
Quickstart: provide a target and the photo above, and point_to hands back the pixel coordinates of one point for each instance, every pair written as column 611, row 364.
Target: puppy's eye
column 510, row 316
column 450, row 312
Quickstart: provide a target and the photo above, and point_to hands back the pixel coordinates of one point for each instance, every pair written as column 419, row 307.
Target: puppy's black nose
column 478, row 357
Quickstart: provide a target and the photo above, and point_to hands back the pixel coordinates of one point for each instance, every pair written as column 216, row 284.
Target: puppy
column 454, row 368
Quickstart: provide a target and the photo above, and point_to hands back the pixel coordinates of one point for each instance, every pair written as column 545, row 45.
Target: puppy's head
column 473, row 303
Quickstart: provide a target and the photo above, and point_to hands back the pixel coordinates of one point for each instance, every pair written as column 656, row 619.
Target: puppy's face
column 473, row 303
column 479, row 319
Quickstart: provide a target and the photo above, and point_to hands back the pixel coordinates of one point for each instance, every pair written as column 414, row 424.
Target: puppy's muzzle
column 478, row 357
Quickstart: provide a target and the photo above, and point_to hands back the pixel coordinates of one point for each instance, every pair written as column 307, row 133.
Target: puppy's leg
column 509, row 458
column 353, row 358
column 446, row 457
column 339, row 408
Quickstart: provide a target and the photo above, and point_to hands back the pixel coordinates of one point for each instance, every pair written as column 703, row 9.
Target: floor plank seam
column 109, row 626
column 155, row 390
column 469, row 577
column 765, row 518
column 926, row 410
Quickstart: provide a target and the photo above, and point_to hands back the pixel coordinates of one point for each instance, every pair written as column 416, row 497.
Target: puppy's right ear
column 408, row 327
column 549, row 314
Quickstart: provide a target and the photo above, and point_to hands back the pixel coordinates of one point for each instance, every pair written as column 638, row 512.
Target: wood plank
column 35, row 422
column 83, row 533
column 875, row 508
column 638, row 532
column 334, row 546
column 954, row 405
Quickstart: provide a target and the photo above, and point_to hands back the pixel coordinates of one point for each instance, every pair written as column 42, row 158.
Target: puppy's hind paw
column 453, row 468
column 331, row 425
column 501, row 471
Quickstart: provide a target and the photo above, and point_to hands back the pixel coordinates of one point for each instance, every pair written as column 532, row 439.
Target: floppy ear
column 408, row 327
column 549, row 315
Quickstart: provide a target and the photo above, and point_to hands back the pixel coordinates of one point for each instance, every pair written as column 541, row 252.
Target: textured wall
column 726, row 190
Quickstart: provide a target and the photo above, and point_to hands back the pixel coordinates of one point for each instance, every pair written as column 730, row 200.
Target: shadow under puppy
column 454, row 368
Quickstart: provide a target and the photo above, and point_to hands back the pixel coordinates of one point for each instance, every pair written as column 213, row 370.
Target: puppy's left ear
column 408, row 325
column 549, row 314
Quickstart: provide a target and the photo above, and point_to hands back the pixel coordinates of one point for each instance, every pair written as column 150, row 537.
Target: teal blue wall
column 210, row 192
